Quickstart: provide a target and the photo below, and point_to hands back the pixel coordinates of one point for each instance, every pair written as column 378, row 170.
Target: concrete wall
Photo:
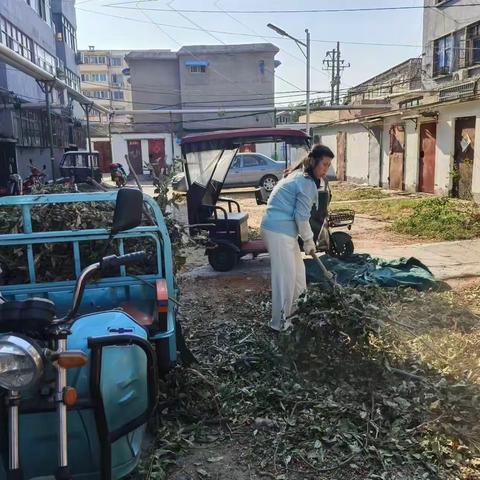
column 229, row 76
column 155, row 83
column 357, row 149
column 357, row 154
column 446, row 145
column 120, row 148
column 40, row 157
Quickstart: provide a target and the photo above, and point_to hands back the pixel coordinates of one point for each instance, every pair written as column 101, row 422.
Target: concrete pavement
column 446, row 260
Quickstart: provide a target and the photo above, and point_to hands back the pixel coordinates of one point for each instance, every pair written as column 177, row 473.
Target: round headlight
column 21, row 362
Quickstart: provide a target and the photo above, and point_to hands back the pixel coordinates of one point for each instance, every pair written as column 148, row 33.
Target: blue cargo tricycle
column 80, row 359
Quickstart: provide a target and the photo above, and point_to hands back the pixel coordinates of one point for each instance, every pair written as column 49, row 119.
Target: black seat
column 26, row 315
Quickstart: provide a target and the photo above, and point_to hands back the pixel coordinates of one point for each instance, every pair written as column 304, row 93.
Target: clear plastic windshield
column 80, row 160
column 201, row 166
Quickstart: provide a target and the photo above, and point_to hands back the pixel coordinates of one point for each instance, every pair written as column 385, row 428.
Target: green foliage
column 442, row 219
column 358, row 193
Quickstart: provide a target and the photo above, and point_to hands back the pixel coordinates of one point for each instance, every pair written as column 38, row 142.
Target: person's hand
column 309, row 247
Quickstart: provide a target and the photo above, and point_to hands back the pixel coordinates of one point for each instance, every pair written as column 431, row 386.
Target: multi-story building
column 104, row 77
column 402, row 78
column 43, row 33
column 429, row 140
column 212, row 77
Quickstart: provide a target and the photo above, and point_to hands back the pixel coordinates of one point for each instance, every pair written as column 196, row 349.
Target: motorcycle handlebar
column 115, row 261
column 106, row 263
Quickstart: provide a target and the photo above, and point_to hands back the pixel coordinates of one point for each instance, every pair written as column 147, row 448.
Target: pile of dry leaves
column 346, row 394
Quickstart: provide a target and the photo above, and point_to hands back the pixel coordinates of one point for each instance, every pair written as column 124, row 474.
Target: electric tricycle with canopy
column 80, row 358
column 207, row 159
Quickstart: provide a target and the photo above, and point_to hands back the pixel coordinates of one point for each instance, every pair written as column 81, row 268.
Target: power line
column 189, row 51
column 300, row 11
column 269, row 37
column 229, row 99
column 169, row 4
column 302, row 60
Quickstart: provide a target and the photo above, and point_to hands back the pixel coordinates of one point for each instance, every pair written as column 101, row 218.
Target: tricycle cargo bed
column 136, row 294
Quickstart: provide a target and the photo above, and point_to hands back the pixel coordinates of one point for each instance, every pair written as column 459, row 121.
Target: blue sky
column 122, row 28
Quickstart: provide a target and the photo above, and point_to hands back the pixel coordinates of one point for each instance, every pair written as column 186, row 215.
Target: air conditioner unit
column 460, row 75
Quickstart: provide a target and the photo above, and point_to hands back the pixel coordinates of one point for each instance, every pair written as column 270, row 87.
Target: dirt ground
column 221, row 450
column 224, row 451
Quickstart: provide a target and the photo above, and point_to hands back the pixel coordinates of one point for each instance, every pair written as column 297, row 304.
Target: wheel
column 120, row 182
column 222, row 258
column 341, row 245
column 268, row 182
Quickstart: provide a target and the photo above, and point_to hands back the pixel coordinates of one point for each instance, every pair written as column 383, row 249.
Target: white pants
column 288, row 276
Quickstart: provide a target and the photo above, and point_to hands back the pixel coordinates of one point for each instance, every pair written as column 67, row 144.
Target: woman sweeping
column 287, row 217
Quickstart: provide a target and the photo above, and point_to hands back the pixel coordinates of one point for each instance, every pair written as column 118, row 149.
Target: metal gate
column 463, row 160
column 135, row 155
column 397, row 157
column 105, row 152
column 428, row 144
column 342, row 156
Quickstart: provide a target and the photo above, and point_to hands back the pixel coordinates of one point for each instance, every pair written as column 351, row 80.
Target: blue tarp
column 362, row 269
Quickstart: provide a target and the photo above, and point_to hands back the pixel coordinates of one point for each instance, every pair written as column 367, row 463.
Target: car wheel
column 268, row 182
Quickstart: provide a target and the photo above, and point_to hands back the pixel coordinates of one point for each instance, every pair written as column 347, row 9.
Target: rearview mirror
column 128, row 210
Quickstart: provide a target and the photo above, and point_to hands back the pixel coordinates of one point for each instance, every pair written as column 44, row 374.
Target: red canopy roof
column 226, row 139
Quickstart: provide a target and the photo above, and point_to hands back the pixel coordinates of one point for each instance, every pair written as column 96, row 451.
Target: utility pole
column 47, row 88
column 341, row 65
column 306, row 45
column 330, row 65
column 333, row 63
column 307, row 56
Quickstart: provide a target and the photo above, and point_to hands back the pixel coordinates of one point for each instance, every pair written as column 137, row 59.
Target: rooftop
column 151, row 55
column 241, row 48
column 370, row 82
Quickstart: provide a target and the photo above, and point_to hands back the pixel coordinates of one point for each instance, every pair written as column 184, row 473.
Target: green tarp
column 362, row 269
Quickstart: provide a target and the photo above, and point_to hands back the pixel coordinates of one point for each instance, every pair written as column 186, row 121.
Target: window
column 15, row 39
column 414, row 102
column 473, row 45
column 253, row 161
column 45, row 60
column 442, row 55
column 197, row 68
column 117, row 79
column 96, row 59
column 94, row 77
column 69, row 34
column 116, row 61
column 42, row 7
column 28, row 125
column 103, row 94
column 72, row 80
column 117, row 95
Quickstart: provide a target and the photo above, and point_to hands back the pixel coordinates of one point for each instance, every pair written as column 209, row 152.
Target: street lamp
column 306, row 54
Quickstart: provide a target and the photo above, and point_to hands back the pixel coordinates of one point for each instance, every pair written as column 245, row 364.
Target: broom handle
column 328, row 275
